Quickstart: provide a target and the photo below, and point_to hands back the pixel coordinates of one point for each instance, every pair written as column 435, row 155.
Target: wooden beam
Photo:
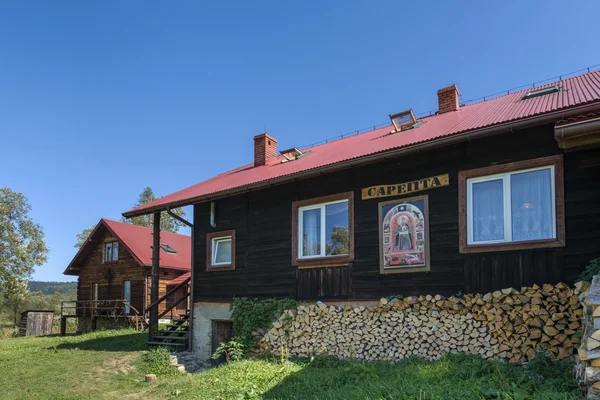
column 155, row 274
column 178, row 218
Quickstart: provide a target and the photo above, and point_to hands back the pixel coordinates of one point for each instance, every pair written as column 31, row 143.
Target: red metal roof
column 179, row 279
column 576, row 91
column 138, row 240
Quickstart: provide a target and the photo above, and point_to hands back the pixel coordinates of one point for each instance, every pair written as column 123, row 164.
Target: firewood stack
column 508, row 324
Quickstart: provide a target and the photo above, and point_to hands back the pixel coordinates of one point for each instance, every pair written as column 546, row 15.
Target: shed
column 36, row 323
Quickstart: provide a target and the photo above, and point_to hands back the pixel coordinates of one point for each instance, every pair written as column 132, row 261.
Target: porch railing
column 116, row 309
column 171, row 305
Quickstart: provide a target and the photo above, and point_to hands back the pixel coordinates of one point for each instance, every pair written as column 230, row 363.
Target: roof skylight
column 168, row 248
column 291, row 154
column 403, row 120
column 541, row 92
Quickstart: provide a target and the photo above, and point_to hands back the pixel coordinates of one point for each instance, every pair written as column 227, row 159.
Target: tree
column 167, row 223
column 14, row 293
column 340, row 241
column 83, row 235
column 22, row 245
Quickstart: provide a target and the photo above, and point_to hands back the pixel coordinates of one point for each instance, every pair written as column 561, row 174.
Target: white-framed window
column 516, row 206
column 221, row 251
column 323, row 230
column 111, row 252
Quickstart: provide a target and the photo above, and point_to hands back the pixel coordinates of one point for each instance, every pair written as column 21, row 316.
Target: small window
column 291, row 154
column 167, row 248
column 507, row 206
column 403, row 121
column 95, row 291
column 220, row 250
column 541, row 92
column 323, row 231
column 111, row 252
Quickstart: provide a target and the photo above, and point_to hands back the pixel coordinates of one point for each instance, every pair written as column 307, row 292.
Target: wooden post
column 155, row 274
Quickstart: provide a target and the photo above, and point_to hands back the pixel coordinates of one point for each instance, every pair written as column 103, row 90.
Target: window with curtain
column 323, row 230
column 516, row 206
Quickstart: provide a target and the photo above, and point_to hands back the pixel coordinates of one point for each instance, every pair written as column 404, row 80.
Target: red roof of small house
column 138, row 241
column 179, row 280
column 477, row 117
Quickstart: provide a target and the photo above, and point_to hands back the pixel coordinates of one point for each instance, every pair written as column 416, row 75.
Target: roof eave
column 426, row 145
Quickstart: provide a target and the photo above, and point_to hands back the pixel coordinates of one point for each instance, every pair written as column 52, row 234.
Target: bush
column 158, row 361
column 232, row 350
column 250, row 315
column 593, row 268
column 9, row 332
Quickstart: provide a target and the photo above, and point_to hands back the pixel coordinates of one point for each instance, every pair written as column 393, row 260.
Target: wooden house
column 113, row 269
column 473, row 198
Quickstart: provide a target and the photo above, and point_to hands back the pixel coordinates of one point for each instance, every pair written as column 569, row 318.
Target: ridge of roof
column 577, row 91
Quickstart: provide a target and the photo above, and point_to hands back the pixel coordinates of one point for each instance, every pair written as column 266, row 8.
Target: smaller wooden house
column 113, row 266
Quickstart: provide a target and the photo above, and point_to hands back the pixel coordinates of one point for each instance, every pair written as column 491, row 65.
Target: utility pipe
column 213, row 205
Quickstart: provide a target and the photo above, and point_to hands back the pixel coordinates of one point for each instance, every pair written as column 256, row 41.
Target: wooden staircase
column 175, row 335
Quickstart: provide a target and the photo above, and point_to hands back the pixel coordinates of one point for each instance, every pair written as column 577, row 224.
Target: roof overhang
column 505, row 127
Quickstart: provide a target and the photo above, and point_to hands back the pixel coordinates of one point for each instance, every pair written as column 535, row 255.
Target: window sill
column 529, row 245
column 110, row 262
column 321, row 262
column 214, row 268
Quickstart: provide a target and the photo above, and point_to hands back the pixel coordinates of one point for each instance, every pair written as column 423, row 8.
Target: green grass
column 111, row 365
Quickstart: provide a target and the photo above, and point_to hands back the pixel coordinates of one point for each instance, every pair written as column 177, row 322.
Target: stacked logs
column 508, row 324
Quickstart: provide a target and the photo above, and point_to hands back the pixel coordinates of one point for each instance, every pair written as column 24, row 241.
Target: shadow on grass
column 106, row 342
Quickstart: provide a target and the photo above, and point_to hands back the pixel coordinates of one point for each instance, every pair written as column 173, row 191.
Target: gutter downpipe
column 444, row 141
column 191, row 298
column 213, row 205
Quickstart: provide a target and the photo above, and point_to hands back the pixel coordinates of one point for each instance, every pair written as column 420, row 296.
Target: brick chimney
column 448, row 99
column 265, row 148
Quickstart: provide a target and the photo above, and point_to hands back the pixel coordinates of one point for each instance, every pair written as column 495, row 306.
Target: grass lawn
column 111, row 364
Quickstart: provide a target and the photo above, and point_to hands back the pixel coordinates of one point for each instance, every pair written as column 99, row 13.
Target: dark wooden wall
column 262, row 220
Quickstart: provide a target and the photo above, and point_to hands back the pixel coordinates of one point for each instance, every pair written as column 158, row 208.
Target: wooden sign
column 375, row 192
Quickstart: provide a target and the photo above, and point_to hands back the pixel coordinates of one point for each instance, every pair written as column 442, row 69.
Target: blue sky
column 92, row 92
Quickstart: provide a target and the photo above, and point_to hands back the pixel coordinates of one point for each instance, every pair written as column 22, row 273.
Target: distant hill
column 52, row 287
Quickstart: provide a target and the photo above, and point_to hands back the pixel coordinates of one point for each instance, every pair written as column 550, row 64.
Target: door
column 222, row 331
column 127, row 296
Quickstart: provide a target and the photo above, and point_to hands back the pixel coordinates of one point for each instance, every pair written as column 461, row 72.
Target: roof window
column 291, row 154
column 168, row 248
column 403, row 121
column 541, row 92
